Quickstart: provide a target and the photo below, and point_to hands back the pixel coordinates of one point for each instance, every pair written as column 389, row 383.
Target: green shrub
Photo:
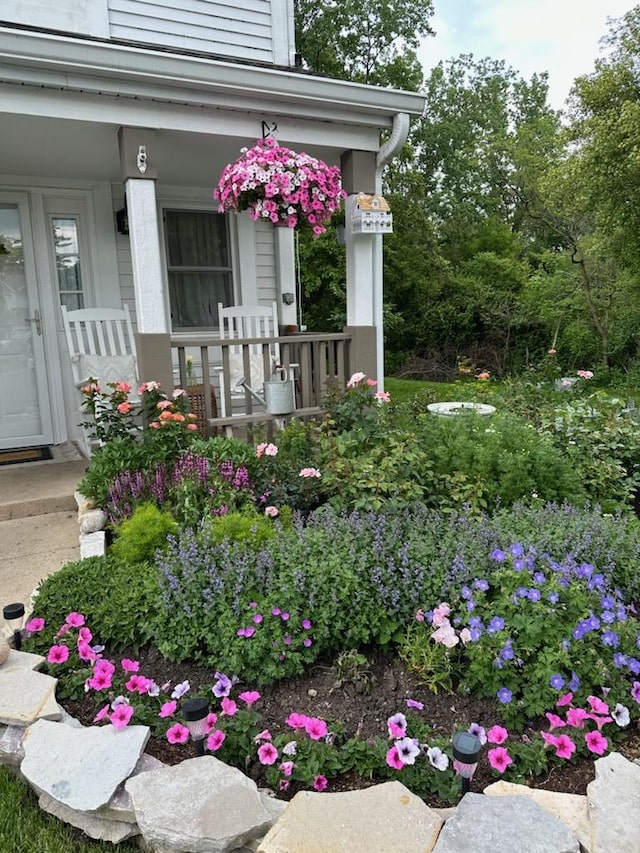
column 253, row 529
column 120, row 600
column 480, row 462
column 139, row 536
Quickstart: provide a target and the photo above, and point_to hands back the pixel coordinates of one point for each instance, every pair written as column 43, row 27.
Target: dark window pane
column 196, row 238
column 194, row 298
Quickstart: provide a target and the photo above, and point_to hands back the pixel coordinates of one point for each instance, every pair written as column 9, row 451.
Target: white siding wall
column 123, row 250
column 265, row 263
column 242, row 29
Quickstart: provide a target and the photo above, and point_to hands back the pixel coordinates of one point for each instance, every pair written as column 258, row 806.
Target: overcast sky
column 558, row 36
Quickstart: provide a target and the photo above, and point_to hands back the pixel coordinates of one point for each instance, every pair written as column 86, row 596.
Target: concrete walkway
column 38, row 522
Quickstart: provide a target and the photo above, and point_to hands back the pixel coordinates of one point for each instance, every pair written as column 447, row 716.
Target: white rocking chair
column 101, row 346
column 247, row 321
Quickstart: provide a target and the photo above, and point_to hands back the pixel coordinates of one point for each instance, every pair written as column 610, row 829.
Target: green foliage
column 481, row 461
column 544, row 627
column 139, row 536
column 120, row 454
column 431, row 662
column 367, row 42
column 121, row 600
column 235, row 527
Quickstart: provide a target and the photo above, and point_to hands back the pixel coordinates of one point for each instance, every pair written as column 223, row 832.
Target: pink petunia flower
column 599, row 721
column 596, row 742
column 576, row 717
column 635, row 691
column 85, row 652
column 75, row 620
column 215, row 740
column 168, row 709
column 102, row 713
column 267, row 753
column 296, row 720
column 555, row 722
column 229, row 707
column 566, row 699
column 130, row 665
column 499, row 758
column 58, row 654
column 597, row 705
column 565, row 746
column 249, row 696
column 265, row 734
column 393, row 758
column 287, row 767
column 497, row 734
column 34, row 626
column 210, row 722
column 121, row 716
column 552, row 740
column 178, row 734
column 397, row 726
column 315, row 728
column 414, row 703
column 85, row 635
column 320, row 783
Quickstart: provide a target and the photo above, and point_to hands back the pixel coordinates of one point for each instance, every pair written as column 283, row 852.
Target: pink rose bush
column 277, row 184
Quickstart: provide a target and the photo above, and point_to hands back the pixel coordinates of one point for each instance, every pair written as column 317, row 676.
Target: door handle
column 35, row 319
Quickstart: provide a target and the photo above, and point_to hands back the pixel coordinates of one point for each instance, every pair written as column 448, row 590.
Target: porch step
column 39, row 488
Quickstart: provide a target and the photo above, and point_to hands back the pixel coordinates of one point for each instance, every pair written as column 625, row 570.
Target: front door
column 25, row 412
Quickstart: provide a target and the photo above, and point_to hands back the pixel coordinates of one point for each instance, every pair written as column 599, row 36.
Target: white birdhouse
column 371, row 215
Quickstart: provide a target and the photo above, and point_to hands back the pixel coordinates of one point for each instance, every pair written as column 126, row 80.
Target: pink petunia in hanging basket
column 275, row 183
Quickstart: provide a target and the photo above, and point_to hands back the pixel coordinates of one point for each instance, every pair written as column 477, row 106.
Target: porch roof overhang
column 73, row 65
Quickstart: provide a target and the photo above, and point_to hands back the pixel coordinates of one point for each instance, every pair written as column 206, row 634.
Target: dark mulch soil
column 319, row 693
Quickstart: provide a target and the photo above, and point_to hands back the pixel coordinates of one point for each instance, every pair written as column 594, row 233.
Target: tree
column 366, row 41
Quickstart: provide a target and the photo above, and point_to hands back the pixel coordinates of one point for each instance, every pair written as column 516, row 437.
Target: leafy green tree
column 367, row 41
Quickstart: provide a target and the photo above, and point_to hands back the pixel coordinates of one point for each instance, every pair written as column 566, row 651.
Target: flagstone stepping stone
column 385, row 817
column 201, row 805
column 504, row 825
column 571, row 809
column 21, row 661
column 614, row 800
column 81, row 768
column 26, row 696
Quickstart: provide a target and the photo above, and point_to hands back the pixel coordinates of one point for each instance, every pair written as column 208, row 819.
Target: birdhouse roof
column 372, row 202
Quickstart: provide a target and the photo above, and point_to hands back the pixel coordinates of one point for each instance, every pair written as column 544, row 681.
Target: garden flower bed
column 349, row 598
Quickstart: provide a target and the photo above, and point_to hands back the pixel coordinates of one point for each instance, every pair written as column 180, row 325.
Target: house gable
column 248, row 30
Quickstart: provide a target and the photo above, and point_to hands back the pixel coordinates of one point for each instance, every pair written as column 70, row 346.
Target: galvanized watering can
column 278, row 395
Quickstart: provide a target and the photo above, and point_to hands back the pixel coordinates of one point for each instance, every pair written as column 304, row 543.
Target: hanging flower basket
column 275, row 183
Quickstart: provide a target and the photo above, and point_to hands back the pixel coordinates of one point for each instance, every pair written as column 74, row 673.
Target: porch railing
column 321, row 361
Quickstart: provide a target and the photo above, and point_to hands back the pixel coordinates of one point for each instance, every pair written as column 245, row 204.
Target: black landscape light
column 195, row 712
column 14, row 616
column 466, row 752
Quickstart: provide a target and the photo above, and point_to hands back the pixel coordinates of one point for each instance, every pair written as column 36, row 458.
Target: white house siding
column 265, row 263
column 238, row 29
column 123, row 250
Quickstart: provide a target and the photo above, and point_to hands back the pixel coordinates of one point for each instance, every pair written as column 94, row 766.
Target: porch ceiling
column 46, row 148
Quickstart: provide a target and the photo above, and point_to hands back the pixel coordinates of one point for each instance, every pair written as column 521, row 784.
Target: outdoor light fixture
column 195, row 713
column 466, row 752
column 14, row 615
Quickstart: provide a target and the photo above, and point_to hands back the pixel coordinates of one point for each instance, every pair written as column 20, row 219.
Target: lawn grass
column 24, row 828
column 402, row 390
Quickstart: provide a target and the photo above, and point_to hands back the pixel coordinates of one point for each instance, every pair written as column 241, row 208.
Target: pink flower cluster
column 445, row 633
column 275, row 183
column 360, row 378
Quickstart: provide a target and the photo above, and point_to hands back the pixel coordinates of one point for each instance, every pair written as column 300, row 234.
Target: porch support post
column 358, row 175
column 362, row 351
column 138, row 172
column 154, row 359
column 286, row 276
